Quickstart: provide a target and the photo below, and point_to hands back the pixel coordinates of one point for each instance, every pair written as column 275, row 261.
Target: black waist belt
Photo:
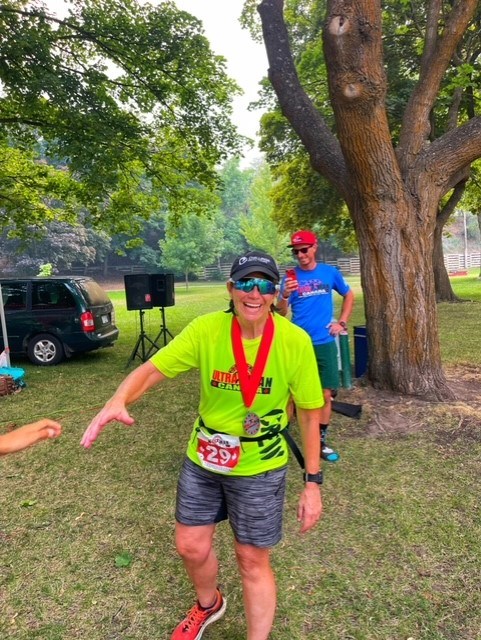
column 275, row 432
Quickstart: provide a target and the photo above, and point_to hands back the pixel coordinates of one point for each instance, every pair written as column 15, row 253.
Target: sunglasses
column 303, row 250
column 247, row 284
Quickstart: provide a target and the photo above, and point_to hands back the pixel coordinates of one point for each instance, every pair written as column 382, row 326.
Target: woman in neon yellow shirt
column 251, row 362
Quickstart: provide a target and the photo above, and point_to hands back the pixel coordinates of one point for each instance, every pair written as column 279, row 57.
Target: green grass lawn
column 395, row 557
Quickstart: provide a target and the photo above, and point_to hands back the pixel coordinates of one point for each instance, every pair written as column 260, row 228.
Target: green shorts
column 328, row 365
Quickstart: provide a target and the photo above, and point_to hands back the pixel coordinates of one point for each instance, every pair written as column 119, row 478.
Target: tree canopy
column 258, row 225
column 192, row 244
column 115, row 107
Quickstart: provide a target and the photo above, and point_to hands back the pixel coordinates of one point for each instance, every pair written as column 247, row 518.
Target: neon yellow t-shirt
column 291, row 370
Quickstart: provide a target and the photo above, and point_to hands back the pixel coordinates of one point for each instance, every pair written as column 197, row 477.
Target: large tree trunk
column 392, row 196
column 396, row 271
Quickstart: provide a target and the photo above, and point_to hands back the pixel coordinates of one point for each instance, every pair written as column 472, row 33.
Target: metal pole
column 4, row 329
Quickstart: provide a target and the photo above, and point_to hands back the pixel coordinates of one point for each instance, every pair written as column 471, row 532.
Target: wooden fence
column 455, row 263
column 351, row 266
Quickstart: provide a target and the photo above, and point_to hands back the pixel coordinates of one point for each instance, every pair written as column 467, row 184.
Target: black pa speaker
column 162, row 289
column 137, row 291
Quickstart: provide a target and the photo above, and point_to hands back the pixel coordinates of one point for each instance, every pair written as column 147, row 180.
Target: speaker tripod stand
column 140, row 350
column 163, row 329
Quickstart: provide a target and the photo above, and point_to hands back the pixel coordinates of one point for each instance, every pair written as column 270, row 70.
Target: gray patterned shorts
column 253, row 504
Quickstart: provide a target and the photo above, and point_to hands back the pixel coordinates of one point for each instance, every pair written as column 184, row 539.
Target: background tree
column 126, row 98
column 303, row 199
column 31, row 190
column 143, row 249
column 192, row 241
column 393, row 185
column 258, row 226
column 63, row 245
column 235, row 185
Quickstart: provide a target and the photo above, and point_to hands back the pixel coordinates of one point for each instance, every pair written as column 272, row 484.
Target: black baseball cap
column 254, row 262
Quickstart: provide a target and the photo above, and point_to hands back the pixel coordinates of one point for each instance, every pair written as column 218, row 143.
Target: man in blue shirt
column 307, row 289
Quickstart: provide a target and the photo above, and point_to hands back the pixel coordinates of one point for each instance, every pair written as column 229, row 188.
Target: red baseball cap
column 302, row 237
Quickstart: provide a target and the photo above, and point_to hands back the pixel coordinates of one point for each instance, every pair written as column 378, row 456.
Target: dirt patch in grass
column 392, row 414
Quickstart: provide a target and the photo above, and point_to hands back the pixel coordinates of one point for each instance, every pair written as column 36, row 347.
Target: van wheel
column 45, row 350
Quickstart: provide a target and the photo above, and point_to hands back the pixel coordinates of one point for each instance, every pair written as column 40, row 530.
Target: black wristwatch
column 343, row 324
column 313, row 477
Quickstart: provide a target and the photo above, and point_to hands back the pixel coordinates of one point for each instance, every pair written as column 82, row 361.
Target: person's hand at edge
column 28, row 435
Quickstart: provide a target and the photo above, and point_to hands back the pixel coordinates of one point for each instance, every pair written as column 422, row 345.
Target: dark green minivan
column 50, row 319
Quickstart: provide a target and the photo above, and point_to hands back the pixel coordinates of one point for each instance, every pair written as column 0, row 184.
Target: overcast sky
column 246, row 59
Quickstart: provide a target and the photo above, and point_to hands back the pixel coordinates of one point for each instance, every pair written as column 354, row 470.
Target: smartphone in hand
column 291, row 274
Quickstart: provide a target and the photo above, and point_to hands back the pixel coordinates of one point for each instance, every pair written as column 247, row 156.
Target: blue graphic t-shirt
column 312, row 305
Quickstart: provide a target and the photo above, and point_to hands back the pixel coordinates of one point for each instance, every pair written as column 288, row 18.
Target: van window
column 14, row 296
column 51, row 295
column 93, row 292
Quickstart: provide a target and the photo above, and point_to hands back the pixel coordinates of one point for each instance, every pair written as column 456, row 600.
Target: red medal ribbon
column 250, row 383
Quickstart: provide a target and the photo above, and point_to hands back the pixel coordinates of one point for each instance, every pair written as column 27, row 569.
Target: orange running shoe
column 193, row 625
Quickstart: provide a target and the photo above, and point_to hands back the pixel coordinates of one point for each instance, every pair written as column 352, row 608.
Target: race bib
column 218, row 452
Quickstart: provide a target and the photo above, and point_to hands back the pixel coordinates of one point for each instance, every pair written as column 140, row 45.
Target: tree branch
column 449, row 156
column 122, row 59
column 357, row 86
column 415, row 127
column 445, row 212
column 431, row 35
column 326, row 158
column 27, row 121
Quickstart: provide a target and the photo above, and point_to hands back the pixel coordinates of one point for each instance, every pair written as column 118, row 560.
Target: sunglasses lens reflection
column 265, row 286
